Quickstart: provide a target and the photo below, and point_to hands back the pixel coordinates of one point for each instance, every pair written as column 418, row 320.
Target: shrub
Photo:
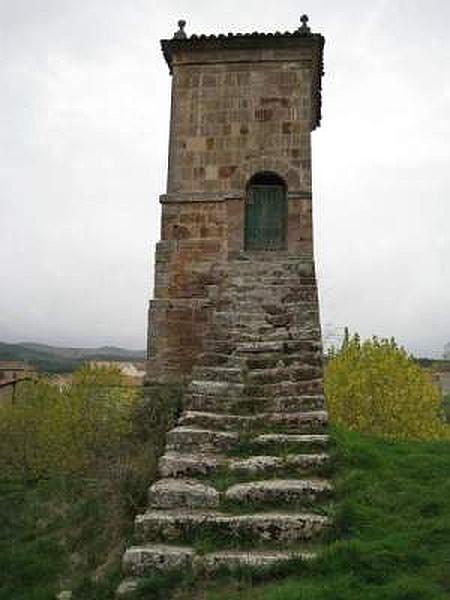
column 89, row 451
column 51, row 432
column 376, row 387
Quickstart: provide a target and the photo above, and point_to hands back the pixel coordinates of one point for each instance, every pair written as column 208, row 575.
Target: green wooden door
column 265, row 218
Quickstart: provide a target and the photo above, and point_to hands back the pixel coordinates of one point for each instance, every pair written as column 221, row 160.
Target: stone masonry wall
column 234, row 113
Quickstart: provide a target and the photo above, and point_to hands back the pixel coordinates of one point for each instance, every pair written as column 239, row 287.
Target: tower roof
column 300, row 38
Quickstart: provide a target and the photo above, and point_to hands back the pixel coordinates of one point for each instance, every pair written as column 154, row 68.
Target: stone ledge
column 172, row 525
column 186, row 197
column 145, row 560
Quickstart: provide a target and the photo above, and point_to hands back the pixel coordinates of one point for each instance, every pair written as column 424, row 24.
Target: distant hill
column 53, row 359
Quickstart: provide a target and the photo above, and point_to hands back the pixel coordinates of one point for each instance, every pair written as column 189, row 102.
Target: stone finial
column 180, row 34
column 304, row 28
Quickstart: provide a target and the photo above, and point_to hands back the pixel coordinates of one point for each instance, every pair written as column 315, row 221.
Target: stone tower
column 243, row 479
column 238, row 186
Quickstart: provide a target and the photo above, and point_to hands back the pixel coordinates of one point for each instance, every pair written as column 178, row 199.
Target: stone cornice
column 186, row 197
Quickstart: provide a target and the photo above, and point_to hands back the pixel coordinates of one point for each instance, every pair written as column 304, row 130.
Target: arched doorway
column 265, row 212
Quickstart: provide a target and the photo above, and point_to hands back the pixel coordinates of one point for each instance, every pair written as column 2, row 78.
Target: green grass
column 49, row 538
column 392, row 537
column 392, row 528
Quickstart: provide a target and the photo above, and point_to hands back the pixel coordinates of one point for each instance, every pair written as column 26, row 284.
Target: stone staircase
column 243, row 478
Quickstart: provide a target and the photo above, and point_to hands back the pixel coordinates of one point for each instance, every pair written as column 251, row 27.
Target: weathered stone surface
column 284, row 373
column 216, row 388
column 263, row 527
column 280, row 491
column 257, row 465
column 307, row 402
column 176, row 464
column 202, row 440
column 144, row 560
column 288, row 388
column 259, row 346
column 221, row 374
column 178, row 493
column 212, row 420
column 240, row 326
column 259, row 403
column 257, row 559
column 291, row 439
column 128, row 588
column 300, row 421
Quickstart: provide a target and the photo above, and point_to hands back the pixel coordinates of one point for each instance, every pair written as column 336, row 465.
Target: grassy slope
column 393, row 515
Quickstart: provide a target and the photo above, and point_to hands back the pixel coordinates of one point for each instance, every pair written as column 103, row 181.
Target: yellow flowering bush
column 375, row 387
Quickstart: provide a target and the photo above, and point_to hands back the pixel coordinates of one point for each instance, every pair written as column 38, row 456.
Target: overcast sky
column 84, row 112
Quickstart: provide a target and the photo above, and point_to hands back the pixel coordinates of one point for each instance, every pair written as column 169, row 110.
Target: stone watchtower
column 238, row 192
column 235, row 312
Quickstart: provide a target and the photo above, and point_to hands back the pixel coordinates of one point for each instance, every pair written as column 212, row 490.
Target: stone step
column 315, row 420
column 230, row 559
column 220, row 359
column 268, row 294
column 171, row 493
column 270, row 281
column 239, row 305
column 227, row 390
column 286, row 388
column 279, row 491
column 267, row 334
column 227, row 317
column 216, row 421
column 249, row 330
column 260, row 346
column 263, row 308
column 284, row 373
column 178, row 493
column 300, row 421
column 265, row 464
column 263, row 334
column 216, row 388
column 256, row 404
column 286, row 440
column 280, row 403
column 181, row 464
column 201, row 440
column 249, row 280
column 268, row 360
column 286, row 403
column 254, row 270
column 304, row 344
column 275, row 347
column 267, row 259
column 177, row 464
column 141, row 561
column 217, row 374
column 177, row 525
column 148, row 559
column 279, row 267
